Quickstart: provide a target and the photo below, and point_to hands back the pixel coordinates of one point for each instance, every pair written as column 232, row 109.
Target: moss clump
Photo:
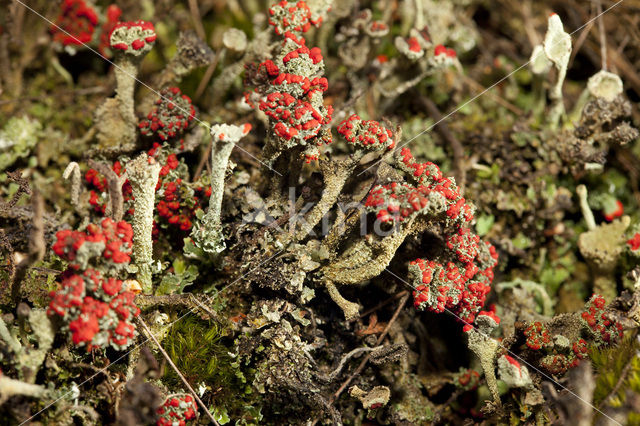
column 610, row 364
column 198, row 349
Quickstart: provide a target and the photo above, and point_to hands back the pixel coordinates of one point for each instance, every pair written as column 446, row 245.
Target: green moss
column 198, row 349
column 609, row 364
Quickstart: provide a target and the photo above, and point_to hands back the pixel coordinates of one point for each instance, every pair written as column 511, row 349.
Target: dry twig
column 366, row 359
column 441, row 127
column 115, row 183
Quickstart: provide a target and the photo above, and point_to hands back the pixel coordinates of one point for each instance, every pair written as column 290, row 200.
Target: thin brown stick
column 366, row 359
column 208, row 74
column 164, row 353
column 447, row 404
column 459, row 170
column 115, row 183
column 23, row 187
column 498, row 99
column 603, row 36
column 529, row 28
column 380, row 305
column 580, row 41
column 197, row 19
column 148, row 301
column 203, row 161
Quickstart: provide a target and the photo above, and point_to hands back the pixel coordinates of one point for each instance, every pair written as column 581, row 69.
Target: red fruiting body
column 512, row 361
column 615, row 213
column 634, row 242
column 294, row 118
column 605, row 330
column 464, row 244
column 113, row 16
column 176, row 202
column 414, row 44
column 490, row 314
column 580, row 349
column 170, row 117
column 132, row 37
column 556, row 363
column 462, row 285
column 76, row 23
column 538, row 336
column 114, row 240
column 429, row 175
column 291, row 16
column 178, row 409
column 293, row 99
column 462, row 291
column 95, row 308
column 367, row 134
column 441, row 50
column 378, row 27
column 467, row 379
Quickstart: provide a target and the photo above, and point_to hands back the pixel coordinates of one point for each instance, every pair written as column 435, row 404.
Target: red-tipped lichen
column 177, row 410
column 97, row 309
column 76, row 23
column 170, row 117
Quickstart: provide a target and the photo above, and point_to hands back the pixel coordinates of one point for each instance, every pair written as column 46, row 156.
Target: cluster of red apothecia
column 291, row 16
column 557, row 358
column 176, row 202
column 177, row 410
column 78, row 21
column 293, row 100
column 145, row 35
column 460, row 285
column 604, row 329
column 467, row 379
column 95, row 305
column 172, row 114
column 538, row 336
column 368, row 134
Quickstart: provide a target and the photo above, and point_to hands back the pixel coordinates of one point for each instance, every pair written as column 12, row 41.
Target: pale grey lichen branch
column 207, row 232
column 513, row 374
column 143, row 176
column 557, row 47
column 584, row 206
column 8, row 338
column 486, row 348
column 130, row 41
column 30, row 358
column 10, row 387
column 73, row 171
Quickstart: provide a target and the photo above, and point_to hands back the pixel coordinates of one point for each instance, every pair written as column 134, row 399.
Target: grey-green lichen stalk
column 131, row 41
column 207, row 233
column 601, row 247
column 143, row 176
column 557, row 47
column 486, row 348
